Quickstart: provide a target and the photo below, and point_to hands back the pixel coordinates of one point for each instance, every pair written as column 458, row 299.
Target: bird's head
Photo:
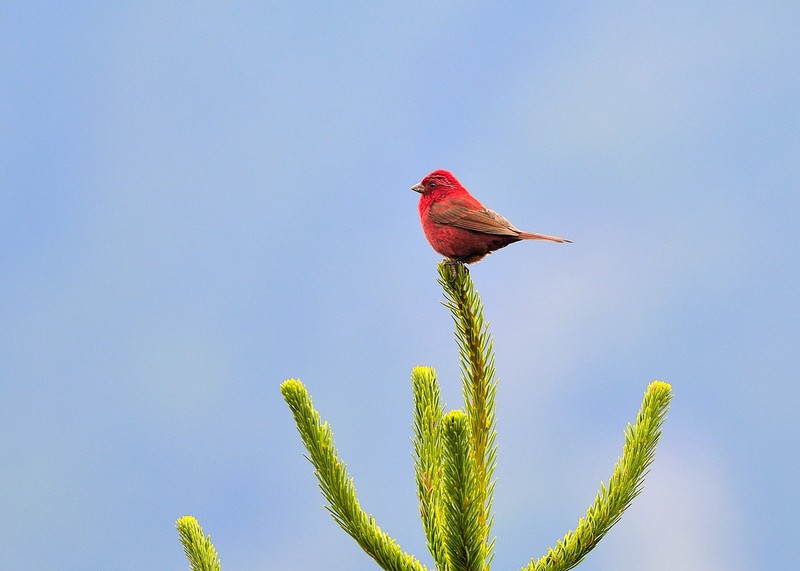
column 436, row 182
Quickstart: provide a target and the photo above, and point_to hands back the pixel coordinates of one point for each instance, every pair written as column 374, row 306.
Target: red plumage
column 458, row 226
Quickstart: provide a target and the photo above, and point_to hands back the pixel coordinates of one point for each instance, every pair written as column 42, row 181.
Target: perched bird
column 461, row 228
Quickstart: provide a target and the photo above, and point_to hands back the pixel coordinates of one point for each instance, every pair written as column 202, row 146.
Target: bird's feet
column 453, row 265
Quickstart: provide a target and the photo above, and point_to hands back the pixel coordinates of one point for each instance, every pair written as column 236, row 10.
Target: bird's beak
column 418, row 188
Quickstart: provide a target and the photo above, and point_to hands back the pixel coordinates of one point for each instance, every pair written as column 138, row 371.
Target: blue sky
column 197, row 202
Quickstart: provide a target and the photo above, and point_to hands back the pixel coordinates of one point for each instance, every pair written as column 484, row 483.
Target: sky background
column 200, row 201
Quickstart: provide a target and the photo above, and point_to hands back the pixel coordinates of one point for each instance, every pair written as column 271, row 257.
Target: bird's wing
column 482, row 220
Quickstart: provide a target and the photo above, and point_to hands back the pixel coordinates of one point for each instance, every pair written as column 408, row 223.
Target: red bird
column 461, row 228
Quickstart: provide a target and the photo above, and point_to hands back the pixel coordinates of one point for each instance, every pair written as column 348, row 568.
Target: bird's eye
column 431, row 185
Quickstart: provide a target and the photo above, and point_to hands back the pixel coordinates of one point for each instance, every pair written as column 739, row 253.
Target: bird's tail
column 532, row 236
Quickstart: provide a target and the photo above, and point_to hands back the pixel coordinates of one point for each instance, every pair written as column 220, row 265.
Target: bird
column 458, row 226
